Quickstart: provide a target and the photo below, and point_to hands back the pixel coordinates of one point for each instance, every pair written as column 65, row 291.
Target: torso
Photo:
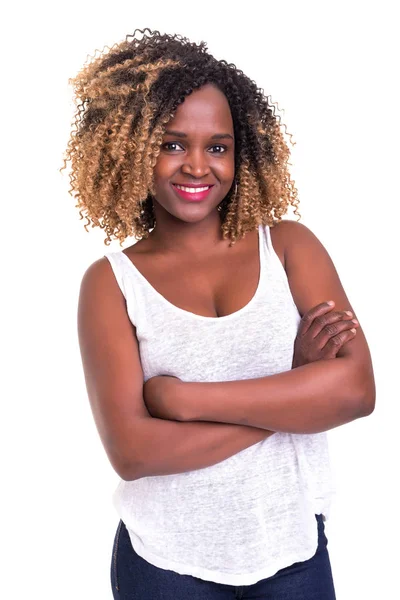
column 216, row 287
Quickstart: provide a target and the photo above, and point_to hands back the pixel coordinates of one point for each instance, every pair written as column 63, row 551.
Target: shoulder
column 102, row 277
column 311, row 274
column 287, row 230
column 287, row 235
column 102, row 302
column 98, row 271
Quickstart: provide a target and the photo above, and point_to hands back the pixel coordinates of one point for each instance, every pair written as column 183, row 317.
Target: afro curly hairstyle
column 125, row 98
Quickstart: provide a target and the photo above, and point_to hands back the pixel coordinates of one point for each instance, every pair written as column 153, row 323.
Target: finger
column 308, row 317
column 336, row 342
column 338, row 315
column 322, row 332
column 323, row 320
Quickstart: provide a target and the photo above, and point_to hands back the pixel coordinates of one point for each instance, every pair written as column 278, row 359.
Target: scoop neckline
column 204, row 317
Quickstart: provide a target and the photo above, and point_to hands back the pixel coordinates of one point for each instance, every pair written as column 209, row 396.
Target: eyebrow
column 216, row 136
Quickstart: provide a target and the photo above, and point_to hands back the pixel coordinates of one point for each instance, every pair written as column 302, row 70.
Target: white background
column 332, row 67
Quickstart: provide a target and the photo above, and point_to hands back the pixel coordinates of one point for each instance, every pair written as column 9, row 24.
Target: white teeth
column 193, row 190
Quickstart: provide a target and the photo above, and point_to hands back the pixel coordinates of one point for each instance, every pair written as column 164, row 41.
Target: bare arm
column 309, row 399
column 137, row 444
column 181, row 447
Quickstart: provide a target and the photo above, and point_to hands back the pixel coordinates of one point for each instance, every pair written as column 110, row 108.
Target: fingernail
column 330, row 303
column 348, row 312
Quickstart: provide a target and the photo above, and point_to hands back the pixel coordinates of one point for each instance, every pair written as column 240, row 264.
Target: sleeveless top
column 247, row 517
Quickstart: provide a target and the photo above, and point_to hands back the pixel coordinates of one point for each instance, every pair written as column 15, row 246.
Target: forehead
column 204, row 110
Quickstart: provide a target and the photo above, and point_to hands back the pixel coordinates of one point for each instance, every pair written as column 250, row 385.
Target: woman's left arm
column 308, row 399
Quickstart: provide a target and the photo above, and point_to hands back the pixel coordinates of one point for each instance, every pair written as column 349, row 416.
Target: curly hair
column 125, row 98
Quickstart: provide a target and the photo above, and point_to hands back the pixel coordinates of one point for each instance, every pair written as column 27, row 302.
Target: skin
column 194, row 227
column 187, row 235
column 187, row 246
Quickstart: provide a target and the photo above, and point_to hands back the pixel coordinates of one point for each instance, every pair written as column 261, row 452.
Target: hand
column 322, row 333
column 159, row 394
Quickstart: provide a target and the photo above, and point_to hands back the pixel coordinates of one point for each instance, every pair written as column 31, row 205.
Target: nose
column 196, row 163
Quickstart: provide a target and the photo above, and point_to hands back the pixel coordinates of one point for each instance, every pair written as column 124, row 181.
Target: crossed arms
column 312, row 398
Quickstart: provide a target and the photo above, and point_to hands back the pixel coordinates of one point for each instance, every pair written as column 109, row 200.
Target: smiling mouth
column 192, row 194
column 192, row 190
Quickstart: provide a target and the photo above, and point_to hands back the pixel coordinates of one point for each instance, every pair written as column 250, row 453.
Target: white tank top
column 247, row 517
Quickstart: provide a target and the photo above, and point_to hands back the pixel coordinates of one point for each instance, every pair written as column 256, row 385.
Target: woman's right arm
column 137, row 444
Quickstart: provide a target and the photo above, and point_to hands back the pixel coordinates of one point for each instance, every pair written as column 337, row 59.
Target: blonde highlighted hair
column 125, row 98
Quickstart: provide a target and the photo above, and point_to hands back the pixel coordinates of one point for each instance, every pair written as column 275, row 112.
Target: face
column 197, row 151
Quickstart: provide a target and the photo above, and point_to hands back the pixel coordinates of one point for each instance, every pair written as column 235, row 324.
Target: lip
column 193, row 197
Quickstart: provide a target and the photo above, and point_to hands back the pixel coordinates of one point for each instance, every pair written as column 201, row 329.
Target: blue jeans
column 133, row 578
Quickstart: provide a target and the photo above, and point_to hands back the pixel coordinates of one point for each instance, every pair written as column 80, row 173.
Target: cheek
column 159, row 169
column 165, row 168
column 225, row 171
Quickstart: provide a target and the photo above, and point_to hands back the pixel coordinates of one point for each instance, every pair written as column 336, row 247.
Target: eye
column 222, row 149
column 171, row 144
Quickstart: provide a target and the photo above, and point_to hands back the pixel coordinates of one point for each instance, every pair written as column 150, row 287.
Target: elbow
column 367, row 406
column 132, row 455
column 358, row 385
column 127, row 470
column 366, row 400
column 130, row 469
column 128, row 466
column 131, row 473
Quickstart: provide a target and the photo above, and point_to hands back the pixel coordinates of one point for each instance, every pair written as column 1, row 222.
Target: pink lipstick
column 193, row 196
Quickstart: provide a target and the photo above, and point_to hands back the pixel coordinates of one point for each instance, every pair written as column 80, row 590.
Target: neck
column 175, row 236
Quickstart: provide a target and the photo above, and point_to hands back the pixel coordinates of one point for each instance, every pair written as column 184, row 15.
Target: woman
column 220, row 309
